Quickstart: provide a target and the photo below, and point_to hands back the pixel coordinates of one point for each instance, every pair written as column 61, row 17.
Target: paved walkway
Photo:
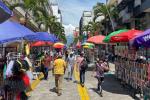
column 72, row 91
column 44, row 90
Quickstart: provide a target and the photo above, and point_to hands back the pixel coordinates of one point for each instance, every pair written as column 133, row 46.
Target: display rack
column 131, row 66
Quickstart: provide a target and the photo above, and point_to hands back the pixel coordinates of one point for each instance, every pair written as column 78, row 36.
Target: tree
column 39, row 9
column 108, row 11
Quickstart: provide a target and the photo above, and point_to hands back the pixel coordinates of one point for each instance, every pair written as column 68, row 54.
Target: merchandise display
column 132, row 66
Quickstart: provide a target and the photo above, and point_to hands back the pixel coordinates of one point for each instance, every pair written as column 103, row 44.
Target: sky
column 72, row 9
column 71, row 13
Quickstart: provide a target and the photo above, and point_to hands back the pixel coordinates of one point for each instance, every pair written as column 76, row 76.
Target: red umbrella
column 96, row 39
column 125, row 36
column 41, row 43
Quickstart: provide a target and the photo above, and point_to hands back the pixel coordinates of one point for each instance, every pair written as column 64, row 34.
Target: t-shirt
column 59, row 66
column 71, row 60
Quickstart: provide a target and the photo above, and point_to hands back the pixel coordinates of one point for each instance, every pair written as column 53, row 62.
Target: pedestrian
column 82, row 66
column 100, row 68
column 59, row 70
column 70, row 62
column 46, row 62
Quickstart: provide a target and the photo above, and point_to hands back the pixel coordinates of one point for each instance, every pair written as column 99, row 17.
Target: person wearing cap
column 58, row 71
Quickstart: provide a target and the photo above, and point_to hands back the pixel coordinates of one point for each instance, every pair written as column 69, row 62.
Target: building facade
column 87, row 17
column 134, row 13
column 20, row 13
column 56, row 11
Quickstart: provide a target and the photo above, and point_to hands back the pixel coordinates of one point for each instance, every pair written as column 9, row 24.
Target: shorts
column 100, row 78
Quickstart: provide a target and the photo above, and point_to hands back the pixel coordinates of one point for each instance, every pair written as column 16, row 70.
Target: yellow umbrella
column 89, row 44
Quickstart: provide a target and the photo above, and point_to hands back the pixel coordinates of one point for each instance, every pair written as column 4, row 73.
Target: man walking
column 59, row 71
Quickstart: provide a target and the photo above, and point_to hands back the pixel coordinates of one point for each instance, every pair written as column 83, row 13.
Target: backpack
column 84, row 65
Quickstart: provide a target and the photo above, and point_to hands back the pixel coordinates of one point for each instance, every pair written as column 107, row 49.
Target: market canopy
column 59, row 45
column 96, row 39
column 11, row 31
column 142, row 39
column 41, row 43
column 42, row 36
column 125, row 36
column 107, row 38
column 87, row 44
column 5, row 12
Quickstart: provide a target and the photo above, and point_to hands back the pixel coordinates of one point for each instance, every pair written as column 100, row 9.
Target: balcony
column 145, row 7
column 123, row 3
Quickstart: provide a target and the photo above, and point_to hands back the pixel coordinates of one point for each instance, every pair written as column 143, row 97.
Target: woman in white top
column 71, row 60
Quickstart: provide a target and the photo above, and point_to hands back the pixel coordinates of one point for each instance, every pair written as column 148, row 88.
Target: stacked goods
column 131, row 66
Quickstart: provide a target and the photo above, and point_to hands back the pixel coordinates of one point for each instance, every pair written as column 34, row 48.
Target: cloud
column 69, row 29
column 72, row 9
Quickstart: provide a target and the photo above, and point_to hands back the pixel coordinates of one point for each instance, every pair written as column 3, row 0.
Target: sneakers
column 82, row 85
column 59, row 94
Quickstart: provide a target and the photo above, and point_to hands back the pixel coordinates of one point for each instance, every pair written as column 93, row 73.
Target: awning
column 125, row 36
column 142, row 40
column 42, row 36
column 96, row 39
column 5, row 12
column 11, row 31
column 41, row 43
column 108, row 37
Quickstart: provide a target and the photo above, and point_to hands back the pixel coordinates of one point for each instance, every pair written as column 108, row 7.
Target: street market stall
column 131, row 64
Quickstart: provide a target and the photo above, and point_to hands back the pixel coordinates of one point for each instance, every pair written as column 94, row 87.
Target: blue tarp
column 10, row 31
column 5, row 12
column 43, row 36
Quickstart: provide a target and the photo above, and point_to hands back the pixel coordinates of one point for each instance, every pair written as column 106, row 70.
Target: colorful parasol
column 87, row 44
column 58, row 45
column 107, row 38
column 96, row 39
column 125, row 36
column 41, row 43
column 88, row 47
column 142, row 40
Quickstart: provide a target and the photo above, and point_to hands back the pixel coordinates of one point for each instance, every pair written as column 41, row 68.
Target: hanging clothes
column 9, row 68
column 27, row 49
column 28, row 60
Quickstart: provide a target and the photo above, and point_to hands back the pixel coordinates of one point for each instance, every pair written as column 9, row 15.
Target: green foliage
column 38, row 8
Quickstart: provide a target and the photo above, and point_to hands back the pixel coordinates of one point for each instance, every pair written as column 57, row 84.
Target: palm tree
column 36, row 7
column 94, row 27
column 108, row 11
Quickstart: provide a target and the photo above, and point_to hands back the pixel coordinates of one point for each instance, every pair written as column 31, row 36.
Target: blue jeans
column 46, row 73
column 82, row 76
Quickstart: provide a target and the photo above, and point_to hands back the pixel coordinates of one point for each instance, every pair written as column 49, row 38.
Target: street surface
column 112, row 89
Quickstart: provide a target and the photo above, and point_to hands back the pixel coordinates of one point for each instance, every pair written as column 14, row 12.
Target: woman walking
column 100, row 68
column 70, row 62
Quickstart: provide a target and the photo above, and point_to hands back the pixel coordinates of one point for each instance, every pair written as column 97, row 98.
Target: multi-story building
column 85, row 19
column 56, row 11
column 134, row 13
column 20, row 13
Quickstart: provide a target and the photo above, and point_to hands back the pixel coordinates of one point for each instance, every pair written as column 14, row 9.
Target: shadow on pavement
column 53, row 90
column 111, row 84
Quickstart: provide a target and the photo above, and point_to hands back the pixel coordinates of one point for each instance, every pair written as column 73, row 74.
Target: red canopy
column 41, row 43
column 125, row 36
column 98, row 39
